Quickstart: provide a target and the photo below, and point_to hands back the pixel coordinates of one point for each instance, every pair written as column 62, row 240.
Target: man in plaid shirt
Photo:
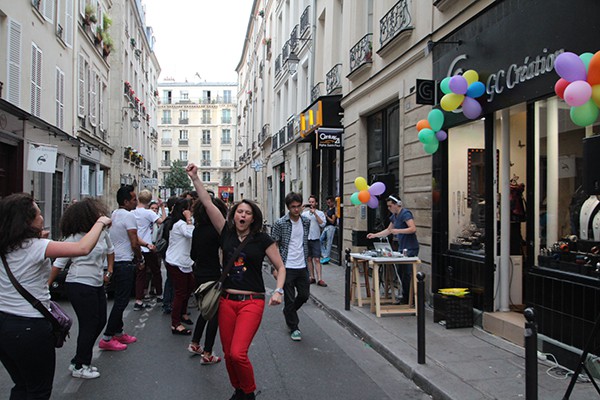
column 290, row 232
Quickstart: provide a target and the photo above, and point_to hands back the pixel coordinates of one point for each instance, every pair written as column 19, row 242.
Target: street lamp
column 240, row 146
column 135, row 122
column 292, row 63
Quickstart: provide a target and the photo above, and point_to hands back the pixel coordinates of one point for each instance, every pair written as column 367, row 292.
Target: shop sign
column 42, row 158
column 329, row 138
column 149, row 182
column 226, row 193
column 87, row 151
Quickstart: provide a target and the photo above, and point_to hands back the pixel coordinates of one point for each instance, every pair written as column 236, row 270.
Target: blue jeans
column 28, row 354
column 122, row 280
column 167, row 305
column 327, row 240
column 405, row 274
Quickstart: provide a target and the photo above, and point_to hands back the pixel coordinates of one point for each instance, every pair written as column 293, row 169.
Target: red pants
column 183, row 286
column 152, row 264
column 238, row 323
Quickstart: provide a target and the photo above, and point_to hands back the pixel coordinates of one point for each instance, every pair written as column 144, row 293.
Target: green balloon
column 431, row 148
column 445, row 85
column 426, row 136
column 436, row 119
column 584, row 115
column 354, row 199
column 586, row 57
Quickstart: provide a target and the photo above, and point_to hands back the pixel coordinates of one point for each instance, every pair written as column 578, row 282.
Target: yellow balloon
column 596, row 95
column 471, row 76
column 361, row 183
column 451, row 101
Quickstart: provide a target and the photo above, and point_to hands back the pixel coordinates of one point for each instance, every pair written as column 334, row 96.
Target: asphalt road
column 329, row 363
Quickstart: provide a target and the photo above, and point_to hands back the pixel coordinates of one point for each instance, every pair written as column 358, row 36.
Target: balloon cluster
column 367, row 194
column 462, row 90
column 579, row 85
column 430, row 131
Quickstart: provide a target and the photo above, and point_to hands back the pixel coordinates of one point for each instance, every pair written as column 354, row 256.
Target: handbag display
column 207, row 295
column 61, row 322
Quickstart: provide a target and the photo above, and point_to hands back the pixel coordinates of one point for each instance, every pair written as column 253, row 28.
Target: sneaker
column 166, row 310
column 112, row 345
column 212, row 359
column 72, row 367
column 296, row 335
column 85, row 372
column 322, row 283
column 325, row 260
column 237, row 395
column 125, row 338
column 195, row 349
column 159, row 299
column 139, row 307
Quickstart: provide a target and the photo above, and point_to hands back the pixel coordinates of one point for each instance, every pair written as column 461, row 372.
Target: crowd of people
column 194, row 237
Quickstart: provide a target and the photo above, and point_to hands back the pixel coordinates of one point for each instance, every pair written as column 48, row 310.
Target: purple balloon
column 570, row 67
column 458, row 84
column 373, row 202
column 441, row 135
column 377, row 188
column 471, row 108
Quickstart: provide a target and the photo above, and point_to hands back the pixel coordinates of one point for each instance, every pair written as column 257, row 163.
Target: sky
column 198, row 36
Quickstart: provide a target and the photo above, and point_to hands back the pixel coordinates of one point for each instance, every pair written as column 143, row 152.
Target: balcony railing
column 264, row 133
column 285, row 51
column 361, row 53
column 294, row 38
column 165, row 120
column 290, row 131
column 206, row 120
column 226, row 120
column 275, row 142
column 183, row 142
column 278, row 65
column 304, row 21
column 281, row 134
column 396, row 21
column 166, row 141
column 334, row 78
column 206, row 141
column 226, row 140
column 205, row 163
column 226, row 163
column 183, row 121
column 165, row 163
column 316, row 91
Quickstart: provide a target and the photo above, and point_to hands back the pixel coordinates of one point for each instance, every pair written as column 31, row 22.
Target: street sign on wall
column 149, row 182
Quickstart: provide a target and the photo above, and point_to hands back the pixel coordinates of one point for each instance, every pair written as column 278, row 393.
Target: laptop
column 385, row 248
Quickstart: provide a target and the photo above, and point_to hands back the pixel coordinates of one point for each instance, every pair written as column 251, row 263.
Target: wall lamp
column 431, row 44
column 135, row 121
column 293, row 60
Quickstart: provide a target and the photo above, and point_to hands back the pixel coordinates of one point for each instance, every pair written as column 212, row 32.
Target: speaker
column 591, row 164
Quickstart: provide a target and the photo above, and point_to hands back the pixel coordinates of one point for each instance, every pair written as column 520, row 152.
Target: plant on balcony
column 89, row 15
column 99, row 32
column 156, row 92
column 107, row 44
column 266, row 41
column 261, row 13
column 128, row 151
column 106, row 22
column 132, row 41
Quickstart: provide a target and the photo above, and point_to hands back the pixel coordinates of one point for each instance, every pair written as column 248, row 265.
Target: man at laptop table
column 402, row 226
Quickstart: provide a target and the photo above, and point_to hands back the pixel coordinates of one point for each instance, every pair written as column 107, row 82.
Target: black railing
column 206, row 120
column 275, row 142
column 206, row 141
column 183, row 142
column 290, row 131
column 281, row 135
column 304, row 20
column 333, row 79
column 165, row 120
column 294, row 38
column 394, row 22
column 361, row 53
column 278, row 65
column 205, row 163
column 183, row 121
column 285, row 51
column 264, row 133
column 316, row 91
column 226, row 140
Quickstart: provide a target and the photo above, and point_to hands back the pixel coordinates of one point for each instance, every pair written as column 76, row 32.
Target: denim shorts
column 314, row 248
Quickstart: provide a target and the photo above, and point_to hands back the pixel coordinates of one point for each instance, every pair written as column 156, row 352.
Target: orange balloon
column 593, row 76
column 364, row 196
column 422, row 124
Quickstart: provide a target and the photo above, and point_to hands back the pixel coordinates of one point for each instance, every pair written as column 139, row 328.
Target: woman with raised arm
column 26, row 339
column 242, row 304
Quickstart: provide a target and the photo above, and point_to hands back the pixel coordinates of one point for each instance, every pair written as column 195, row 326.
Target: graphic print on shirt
column 238, row 268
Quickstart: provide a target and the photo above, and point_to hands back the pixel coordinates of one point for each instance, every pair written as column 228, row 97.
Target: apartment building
column 198, row 124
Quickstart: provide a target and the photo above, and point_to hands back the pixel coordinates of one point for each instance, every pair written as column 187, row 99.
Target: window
column 205, row 136
column 93, row 99
column 60, row 98
column 167, row 96
column 166, row 137
column 183, row 134
column 227, row 178
column 36, row 80
column 183, row 116
column 185, row 96
column 166, row 118
column 183, row 155
column 227, row 96
column 226, row 116
column 81, row 85
column 205, row 176
column 226, row 158
column 14, row 63
column 67, row 24
column 205, row 162
column 166, row 158
column 226, row 136
column 206, row 116
column 206, row 96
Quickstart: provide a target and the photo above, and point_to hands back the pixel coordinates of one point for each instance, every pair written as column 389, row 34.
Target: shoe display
column 322, row 283
column 111, row 345
column 212, row 359
column 325, row 260
column 72, row 367
column 195, row 349
column 125, row 338
column 85, row 372
column 296, row 335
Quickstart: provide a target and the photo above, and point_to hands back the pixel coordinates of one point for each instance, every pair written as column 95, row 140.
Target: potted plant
column 106, row 21
column 132, row 41
column 261, row 13
column 99, row 32
column 89, row 15
column 266, row 41
column 107, row 45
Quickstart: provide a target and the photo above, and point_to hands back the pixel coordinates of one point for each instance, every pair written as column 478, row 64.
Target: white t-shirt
column 314, row 233
column 88, row 270
column 31, row 268
column 145, row 219
column 122, row 221
column 180, row 245
column 295, row 256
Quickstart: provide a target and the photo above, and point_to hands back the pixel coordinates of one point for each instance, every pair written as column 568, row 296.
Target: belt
column 242, row 297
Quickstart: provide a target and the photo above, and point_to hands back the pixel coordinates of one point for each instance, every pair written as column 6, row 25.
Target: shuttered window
column 81, row 87
column 13, row 93
column 93, row 87
column 36, row 80
column 48, row 10
column 60, row 98
column 68, row 27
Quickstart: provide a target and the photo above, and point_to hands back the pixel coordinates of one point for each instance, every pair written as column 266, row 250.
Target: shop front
column 509, row 185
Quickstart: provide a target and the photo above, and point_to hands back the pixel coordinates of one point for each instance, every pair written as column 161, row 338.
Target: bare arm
column 135, row 243
column 275, row 258
column 81, row 248
column 387, row 231
column 110, row 260
column 53, row 274
column 215, row 216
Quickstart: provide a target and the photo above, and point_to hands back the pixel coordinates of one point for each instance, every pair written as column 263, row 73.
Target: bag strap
column 38, row 305
column 236, row 253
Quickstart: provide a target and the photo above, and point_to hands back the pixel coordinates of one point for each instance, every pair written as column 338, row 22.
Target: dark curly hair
column 200, row 215
column 180, row 206
column 81, row 216
column 17, row 213
column 257, row 223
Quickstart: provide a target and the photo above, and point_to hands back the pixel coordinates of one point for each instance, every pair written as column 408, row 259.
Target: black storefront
column 513, row 45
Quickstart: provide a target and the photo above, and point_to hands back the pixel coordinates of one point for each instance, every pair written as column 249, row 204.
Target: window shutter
column 60, row 98
column 93, row 97
column 14, row 63
column 68, row 28
column 101, row 105
column 36, row 80
column 48, row 10
column 81, row 87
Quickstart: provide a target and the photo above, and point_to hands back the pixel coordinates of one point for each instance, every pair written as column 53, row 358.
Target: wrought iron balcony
column 165, row 120
column 334, row 78
column 165, row 163
column 396, row 21
column 166, row 141
column 226, row 163
column 316, row 91
column 275, row 142
column 205, row 163
column 264, row 133
column 294, row 38
column 183, row 142
column 226, row 120
column 183, row 121
column 361, row 53
column 282, row 138
column 305, row 20
column 206, row 141
column 290, row 130
column 278, row 65
column 225, row 140
column 206, row 120
column 285, row 51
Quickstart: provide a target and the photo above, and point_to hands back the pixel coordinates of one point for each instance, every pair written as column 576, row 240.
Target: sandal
column 183, row 331
column 211, row 359
column 187, row 321
column 195, row 349
column 322, row 283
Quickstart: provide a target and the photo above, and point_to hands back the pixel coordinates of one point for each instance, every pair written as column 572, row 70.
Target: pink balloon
column 373, row 202
column 471, row 108
column 570, row 67
column 441, row 135
column 578, row 93
column 458, row 84
column 377, row 188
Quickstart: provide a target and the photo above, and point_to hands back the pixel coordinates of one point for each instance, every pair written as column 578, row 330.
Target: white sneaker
column 72, row 367
column 85, row 372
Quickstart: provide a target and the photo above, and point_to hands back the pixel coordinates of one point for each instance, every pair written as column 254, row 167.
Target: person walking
column 128, row 257
column 27, row 343
column 402, row 226
column 243, row 301
column 179, row 264
column 85, row 281
column 162, row 244
column 207, row 268
column 317, row 221
column 290, row 232
column 328, row 231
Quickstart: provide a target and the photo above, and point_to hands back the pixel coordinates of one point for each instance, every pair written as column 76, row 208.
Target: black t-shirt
column 330, row 213
column 205, row 252
column 246, row 271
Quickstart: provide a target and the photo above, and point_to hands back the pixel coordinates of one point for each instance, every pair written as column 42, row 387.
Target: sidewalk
column 461, row 364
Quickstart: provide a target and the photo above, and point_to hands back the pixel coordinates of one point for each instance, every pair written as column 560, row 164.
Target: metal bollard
column 348, row 271
column 420, row 317
column 531, row 361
